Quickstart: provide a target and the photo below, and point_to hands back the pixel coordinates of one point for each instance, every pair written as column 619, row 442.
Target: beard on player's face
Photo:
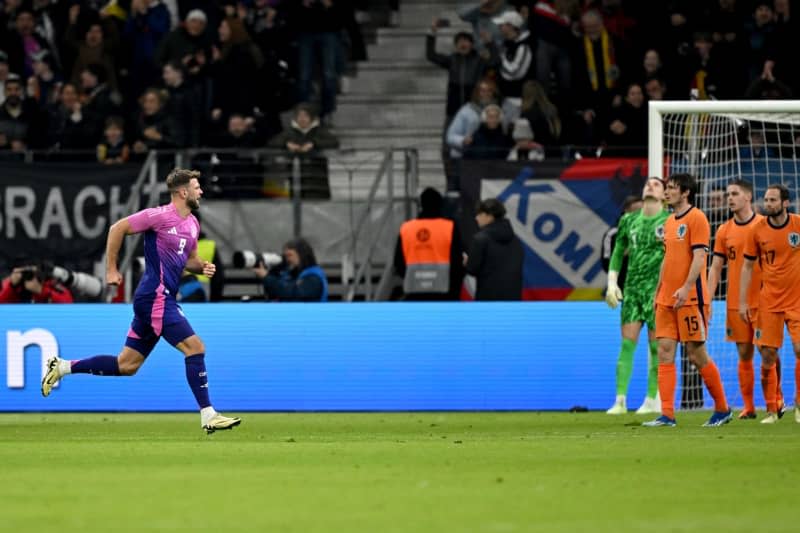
column 775, row 211
column 193, row 203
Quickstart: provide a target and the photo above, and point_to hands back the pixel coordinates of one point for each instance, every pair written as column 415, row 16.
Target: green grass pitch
column 395, row 472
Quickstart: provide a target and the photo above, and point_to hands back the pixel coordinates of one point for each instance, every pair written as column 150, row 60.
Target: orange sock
column 769, row 383
column 710, row 375
column 666, row 388
column 797, row 382
column 778, row 388
column 746, row 384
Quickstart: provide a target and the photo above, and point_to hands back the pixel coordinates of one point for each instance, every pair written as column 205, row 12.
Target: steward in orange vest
column 428, row 253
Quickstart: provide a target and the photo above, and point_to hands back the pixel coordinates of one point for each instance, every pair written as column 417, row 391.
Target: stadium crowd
column 580, row 72
column 125, row 76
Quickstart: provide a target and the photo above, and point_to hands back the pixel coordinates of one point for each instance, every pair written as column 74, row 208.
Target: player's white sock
column 206, row 414
column 64, row 367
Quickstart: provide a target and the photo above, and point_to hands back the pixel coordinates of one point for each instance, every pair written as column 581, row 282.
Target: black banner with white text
column 60, row 212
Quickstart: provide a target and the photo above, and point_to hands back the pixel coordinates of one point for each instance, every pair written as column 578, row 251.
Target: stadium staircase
column 396, row 99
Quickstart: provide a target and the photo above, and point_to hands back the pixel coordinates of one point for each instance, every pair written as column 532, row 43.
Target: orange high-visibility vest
column 426, row 248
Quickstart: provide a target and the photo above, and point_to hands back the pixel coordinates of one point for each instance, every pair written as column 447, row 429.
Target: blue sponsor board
column 321, row 357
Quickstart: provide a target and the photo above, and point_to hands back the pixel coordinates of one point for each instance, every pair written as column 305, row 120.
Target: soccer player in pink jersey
column 170, row 246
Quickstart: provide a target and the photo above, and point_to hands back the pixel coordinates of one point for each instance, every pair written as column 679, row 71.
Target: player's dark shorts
column 638, row 307
column 154, row 319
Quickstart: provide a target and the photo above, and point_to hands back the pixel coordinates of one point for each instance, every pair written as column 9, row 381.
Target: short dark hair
column 463, row 35
column 685, row 182
column 744, row 185
column 180, row 177
column 98, row 70
column 782, row 189
column 304, row 251
column 492, row 206
column 115, row 120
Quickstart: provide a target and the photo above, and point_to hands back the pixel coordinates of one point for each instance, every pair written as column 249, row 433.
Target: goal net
column 717, row 142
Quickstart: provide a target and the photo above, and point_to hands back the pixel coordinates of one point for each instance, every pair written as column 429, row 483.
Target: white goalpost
column 717, row 142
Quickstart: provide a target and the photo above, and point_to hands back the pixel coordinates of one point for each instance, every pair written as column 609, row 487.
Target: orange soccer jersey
column 778, row 251
column 683, row 234
column 729, row 245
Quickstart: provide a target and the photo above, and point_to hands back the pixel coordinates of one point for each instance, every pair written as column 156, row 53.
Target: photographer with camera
column 31, row 284
column 297, row 279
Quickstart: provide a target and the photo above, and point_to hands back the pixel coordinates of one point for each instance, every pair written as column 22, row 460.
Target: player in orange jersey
column 775, row 242
column 729, row 248
column 682, row 301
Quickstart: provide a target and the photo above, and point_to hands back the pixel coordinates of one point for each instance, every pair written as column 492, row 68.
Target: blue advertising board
column 331, row 357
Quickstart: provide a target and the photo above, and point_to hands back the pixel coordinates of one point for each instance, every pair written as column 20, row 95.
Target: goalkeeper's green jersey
column 643, row 238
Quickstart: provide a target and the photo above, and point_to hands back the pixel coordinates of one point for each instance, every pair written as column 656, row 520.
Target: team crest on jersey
column 194, row 232
column 757, row 334
column 794, row 239
column 660, row 232
column 682, row 231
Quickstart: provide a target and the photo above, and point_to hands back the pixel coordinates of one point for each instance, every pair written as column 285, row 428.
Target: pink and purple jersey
column 169, row 239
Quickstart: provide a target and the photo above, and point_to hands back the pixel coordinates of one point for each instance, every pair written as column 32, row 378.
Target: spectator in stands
column 480, row 16
column 490, row 141
column 757, row 147
column 235, row 55
column 4, row 73
column 270, row 30
column 153, row 127
column 306, row 135
column 708, row 72
column 68, row 127
column 239, row 133
column 601, row 67
column 759, row 30
column 495, row 255
column 541, row 114
column 183, row 107
column 23, row 41
column 306, row 138
column 467, row 120
column 99, row 101
column 781, row 48
column 43, row 86
column 428, row 253
column 514, row 57
column 651, row 66
column 318, row 26
column 19, row 119
column 98, row 45
column 553, row 23
column 28, row 284
column 113, row 149
column 189, row 44
column 298, row 279
column 628, row 129
column 655, row 88
column 464, row 65
column 147, row 24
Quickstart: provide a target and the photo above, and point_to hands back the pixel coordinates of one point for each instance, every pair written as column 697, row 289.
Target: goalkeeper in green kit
column 641, row 235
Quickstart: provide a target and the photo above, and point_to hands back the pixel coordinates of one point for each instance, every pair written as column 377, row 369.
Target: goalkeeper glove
column 613, row 292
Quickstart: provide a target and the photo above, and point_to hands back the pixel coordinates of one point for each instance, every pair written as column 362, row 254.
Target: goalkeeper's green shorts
column 638, row 307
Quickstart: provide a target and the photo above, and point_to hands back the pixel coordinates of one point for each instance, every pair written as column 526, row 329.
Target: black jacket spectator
column 465, row 67
column 20, row 119
column 495, row 256
column 68, row 126
column 490, row 141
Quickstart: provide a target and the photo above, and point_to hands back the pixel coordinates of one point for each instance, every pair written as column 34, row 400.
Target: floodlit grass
column 387, row 472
